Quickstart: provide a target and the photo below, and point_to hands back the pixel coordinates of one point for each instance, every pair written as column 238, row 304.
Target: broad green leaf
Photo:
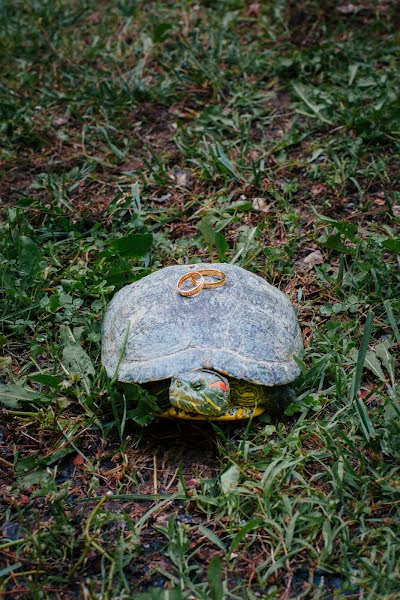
column 207, row 232
column 25, row 465
column 393, row 245
column 133, row 245
column 3, row 340
column 302, row 92
column 327, row 535
column 51, row 380
column 334, row 242
column 246, row 243
column 145, row 405
column 372, row 363
column 215, row 578
column 348, row 229
column 230, row 479
column 38, row 477
column 382, row 351
column 213, row 238
column 141, row 414
column 118, row 153
column 392, row 409
column 221, row 245
column 212, row 537
column 58, row 454
column 75, row 358
column 224, row 161
column 28, row 255
column 160, row 31
column 33, row 464
column 353, row 72
column 14, row 393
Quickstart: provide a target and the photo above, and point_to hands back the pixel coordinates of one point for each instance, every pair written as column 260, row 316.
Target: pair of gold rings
column 197, row 278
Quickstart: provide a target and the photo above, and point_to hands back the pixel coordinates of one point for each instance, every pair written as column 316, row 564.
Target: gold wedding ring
column 198, row 281
column 213, row 273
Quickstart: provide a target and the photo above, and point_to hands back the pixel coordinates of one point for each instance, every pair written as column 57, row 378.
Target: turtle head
column 203, row 392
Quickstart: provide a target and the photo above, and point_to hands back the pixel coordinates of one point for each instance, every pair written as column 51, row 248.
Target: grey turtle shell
column 246, row 329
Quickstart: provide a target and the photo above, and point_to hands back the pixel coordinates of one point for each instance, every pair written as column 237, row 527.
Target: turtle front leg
column 278, row 398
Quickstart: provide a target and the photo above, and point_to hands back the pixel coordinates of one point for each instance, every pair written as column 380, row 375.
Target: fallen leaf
column 314, row 258
column 162, row 198
column 348, row 9
column 182, row 179
column 254, row 9
column 5, row 363
column 261, row 205
column 21, row 500
column 193, row 483
column 230, row 479
column 60, row 121
column 396, row 210
column 318, row 189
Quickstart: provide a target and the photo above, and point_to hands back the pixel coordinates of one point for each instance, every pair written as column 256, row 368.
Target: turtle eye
column 197, row 385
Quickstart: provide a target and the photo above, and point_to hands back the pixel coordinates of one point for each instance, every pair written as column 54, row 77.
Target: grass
column 136, row 135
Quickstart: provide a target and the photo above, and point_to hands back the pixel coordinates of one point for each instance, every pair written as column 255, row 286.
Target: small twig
column 5, row 462
column 172, row 478
column 155, row 482
column 69, row 442
column 136, row 497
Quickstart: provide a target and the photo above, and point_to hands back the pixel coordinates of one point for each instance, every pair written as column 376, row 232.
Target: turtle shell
column 246, row 329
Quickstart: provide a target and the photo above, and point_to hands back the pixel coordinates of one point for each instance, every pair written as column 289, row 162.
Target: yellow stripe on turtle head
column 209, row 401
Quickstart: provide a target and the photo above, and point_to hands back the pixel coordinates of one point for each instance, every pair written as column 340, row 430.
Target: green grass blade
column 392, row 320
column 362, row 353
column 366, row 423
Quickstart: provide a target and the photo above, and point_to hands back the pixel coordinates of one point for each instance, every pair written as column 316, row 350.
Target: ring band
column 213, row 273
column 197, row 280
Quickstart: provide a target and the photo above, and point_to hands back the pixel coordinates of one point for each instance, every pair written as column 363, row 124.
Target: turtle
column 227, row 353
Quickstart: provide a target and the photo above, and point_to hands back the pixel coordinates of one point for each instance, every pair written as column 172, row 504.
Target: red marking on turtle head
column 219, row 384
